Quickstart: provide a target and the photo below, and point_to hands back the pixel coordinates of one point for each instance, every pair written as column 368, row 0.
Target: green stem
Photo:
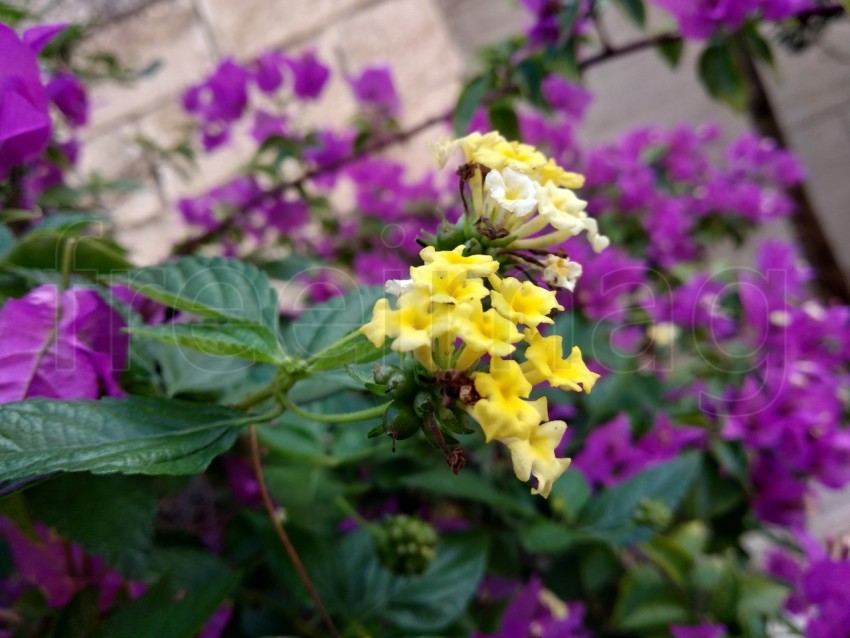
column 351, row 336
column 258, row 397
column 67, row 262
column 348, row 417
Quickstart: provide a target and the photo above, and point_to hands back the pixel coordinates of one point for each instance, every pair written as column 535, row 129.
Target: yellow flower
column 502, row 411
column 550, row 171
column 448, row 283
column 483, row 332
column 501, row 154
column 475, row 265
column 546, row 363
column 471, row 143
column 523, row 302
column 536, row 455
column 414, row 325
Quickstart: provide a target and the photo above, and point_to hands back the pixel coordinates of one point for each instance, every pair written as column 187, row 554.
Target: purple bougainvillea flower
column 374, row 87
column 38, row 37
column 310, row 75
column 69, row 95
column 566, row 97
column 267, row 71
column 64, row 345
column 24, row 117
column 698, row 631
column 536, row 612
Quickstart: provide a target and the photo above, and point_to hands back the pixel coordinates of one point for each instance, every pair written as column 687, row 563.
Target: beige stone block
column 823, row 146
column 817, row 80
column 640, row 90
column 138, row 208
column 246, row 28
column 114, row 154
column 152, row 241
column 169, row 32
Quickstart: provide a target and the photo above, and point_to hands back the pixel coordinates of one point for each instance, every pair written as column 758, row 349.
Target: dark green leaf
column 45, row 249
column 609, row 515
column 12, row 15
column 356, row 350
column 9, row 215
column 136, row 435
column 467, row 486
column 546, row 537
column 214, row 287
column 569, row 495
column 758, row 47
column 247, row 341
column 7, row 240
column 467, row 104
column 721, row 76
column 75, row 221
column 353, row 583
column 647, row 602
column 567, row 18
column 671, row 49
column 634, row 10
column 162, row 611
column 79, row 618
column 186, row 372
column 323, row 325
column 503, row 119
column 111, row 516
column 530, row 74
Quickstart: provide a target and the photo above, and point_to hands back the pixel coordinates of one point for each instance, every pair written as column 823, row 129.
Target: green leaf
column 546, row 537
column 634, row 10
column 7, row 240
column 79, row 618
column 348, row 351
column 111, row 516
column 136, row 435
column 44, row 250
column 467, row 104
column 569, row 495
column 503, row 119
column 190, row 373
column 647, row 602
column 320, row 327
column 247, row 341
column 213, row 287
column 162, row 611
column 758, row 47
column 567, row 18
column 609, row 515
column 466, row 486
column 352, row 582
column 9, row 215
column 721, row 76
column 671, row 50
column 76, row 221
column 670, row 557
column 530, row 74
column 12, row 15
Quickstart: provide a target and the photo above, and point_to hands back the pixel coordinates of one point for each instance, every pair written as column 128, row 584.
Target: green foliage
column 245, row 341
column 315, row 334
column 354, row 584
column 470, row 97
column 213, row 287
column 721, row 74
column 634, row 10
column 135, row 435
column 111, row 516
column 610, row 516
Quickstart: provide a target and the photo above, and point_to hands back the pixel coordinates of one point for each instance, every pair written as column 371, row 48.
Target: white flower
column 560, row 272
column 512, row 190
column 663, row 333
column 597, row 242
column 398, row 287
column 562, row 208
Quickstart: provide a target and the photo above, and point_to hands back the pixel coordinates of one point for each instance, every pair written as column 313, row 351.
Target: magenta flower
column 69, row 95
column 60, row 345
column 374, row 88
column 310, row 75
column 698, row 631
column 25, row 126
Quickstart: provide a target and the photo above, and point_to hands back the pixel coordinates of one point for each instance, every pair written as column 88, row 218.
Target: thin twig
column 256, row 461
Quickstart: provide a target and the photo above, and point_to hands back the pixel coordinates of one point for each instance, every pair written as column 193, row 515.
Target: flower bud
column 400, row 421
column 406, row 545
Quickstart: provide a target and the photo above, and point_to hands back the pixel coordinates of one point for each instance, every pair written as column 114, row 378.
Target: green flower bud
column 406, row 545
column 401, row 386
column 449, row 236
column 653, row 513
column 382, row 372
column 400, row 421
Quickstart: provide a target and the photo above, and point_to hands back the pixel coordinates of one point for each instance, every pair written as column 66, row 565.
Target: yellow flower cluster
column 441, row 318
column 523, row 192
